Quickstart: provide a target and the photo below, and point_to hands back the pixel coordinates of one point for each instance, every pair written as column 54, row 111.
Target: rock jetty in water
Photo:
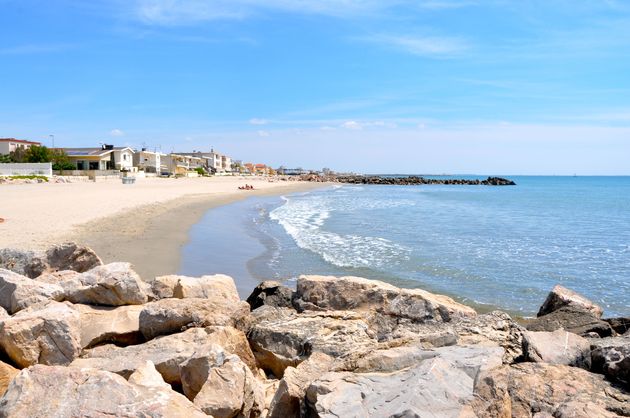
column 82, row 338
column 417, row 180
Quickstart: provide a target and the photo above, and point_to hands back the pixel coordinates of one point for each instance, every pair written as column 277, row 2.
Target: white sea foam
column 304, row 221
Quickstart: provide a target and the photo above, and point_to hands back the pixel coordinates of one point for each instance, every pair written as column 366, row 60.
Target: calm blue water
column 503, row 247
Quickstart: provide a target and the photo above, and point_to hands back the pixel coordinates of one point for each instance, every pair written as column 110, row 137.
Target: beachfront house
column 107, row 157
column 215, row 163
column 183, row 164
column 8, row 145
column 149, row 161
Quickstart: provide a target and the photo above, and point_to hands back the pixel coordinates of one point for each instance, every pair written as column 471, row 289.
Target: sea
column 490, row 247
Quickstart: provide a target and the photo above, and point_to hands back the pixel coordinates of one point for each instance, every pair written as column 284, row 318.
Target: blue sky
column 435, row 86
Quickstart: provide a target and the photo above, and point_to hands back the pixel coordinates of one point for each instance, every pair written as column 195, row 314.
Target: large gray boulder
column 611, row 356
column 436, row 387
column 27, row 263
column 557, row 347
column 271, row 293
column 376, row 297
column 280, row 337
column 113, row 284
column 18, row 292
column 221, row 385
column 54, row 391
column 167, row 316
column 560, row 297
column 546, row 390
column 66, row 256
column 44, row 334
column 575, row 320
column 101, row 324
column 166, row 353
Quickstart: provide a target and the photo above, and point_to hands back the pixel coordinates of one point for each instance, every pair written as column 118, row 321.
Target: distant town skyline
column 391, row 86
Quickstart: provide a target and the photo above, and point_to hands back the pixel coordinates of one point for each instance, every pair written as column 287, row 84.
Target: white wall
column 26, row 169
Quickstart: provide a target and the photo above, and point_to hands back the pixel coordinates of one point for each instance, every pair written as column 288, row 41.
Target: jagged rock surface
column 66, row 256
column 611, row 356
column 271, row 293
column 45, row 391
column 113, row 284
column 575, row 320
column 167, row 316
column 280, row 337
column 560, row 297
column 545, row 390
column 288, row 400
column 44, row 334
column 119, row 325
column 7, row 374
column 437, row 387
column 18, row 292
column 558, row 347
column 166, row 352
column 221, row 385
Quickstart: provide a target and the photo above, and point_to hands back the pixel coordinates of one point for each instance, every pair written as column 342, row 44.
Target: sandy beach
column 145, row 223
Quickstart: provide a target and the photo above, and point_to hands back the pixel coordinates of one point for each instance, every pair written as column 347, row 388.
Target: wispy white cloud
column 358, row 125
column 258, row 121
column 434, row 46
column 116, row 133
column 174, row 12
column 264, row 134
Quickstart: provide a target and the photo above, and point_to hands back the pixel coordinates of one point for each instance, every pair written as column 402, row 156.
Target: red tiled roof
column 21, row 141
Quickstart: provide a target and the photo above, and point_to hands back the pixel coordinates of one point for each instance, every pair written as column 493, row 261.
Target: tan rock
column 54, row 391
column 561, row 296
column 7, row 373
column 18, row 292
column 58, row 277
column 147, row 375
column 167, row 316
column 44, row 334
column 217, row 287
column 390, row 311
column 549, row 390
column 113, row 284
column 558, row 347
column 166, row 352
column 495, row 329
column 436, row 387
column 4, row 314
column 120, row 325
column 221, row 384
column 280, row 337
column 71, row 256
column 288, row 399
column 163, row 287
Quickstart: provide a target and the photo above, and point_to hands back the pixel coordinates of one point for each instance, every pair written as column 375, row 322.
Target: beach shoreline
column 145, row 224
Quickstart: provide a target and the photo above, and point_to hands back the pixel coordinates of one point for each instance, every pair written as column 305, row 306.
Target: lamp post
column 53, row 140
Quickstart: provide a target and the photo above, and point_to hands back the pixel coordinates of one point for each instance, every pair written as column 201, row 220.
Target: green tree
column 19, row 155
column 60, row 160
column 37, row 154
column 5, row 159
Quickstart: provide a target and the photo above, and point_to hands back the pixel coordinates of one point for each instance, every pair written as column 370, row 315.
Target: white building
column 149, row 162
column 107, row 157
column 8, row 145
column 215, row 163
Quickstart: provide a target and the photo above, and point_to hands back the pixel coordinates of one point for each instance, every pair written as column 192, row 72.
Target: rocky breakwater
column 417, row 180
column 106, row 342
